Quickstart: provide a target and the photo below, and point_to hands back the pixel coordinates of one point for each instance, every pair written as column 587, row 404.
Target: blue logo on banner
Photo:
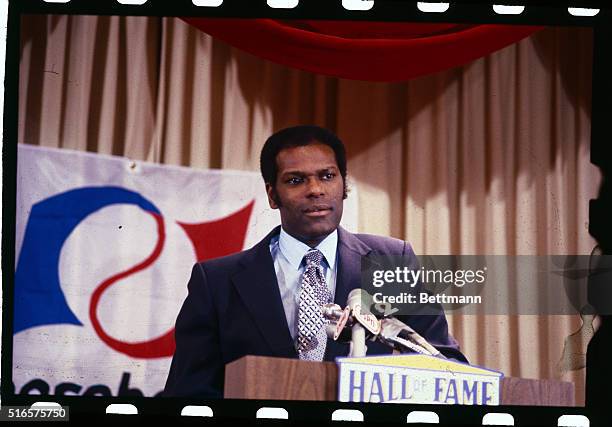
column 39, row 299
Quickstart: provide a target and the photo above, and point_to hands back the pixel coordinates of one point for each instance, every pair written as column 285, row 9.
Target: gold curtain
column 489, row 158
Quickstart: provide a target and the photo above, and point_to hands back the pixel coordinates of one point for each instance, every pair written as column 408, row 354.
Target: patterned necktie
column 312, row 338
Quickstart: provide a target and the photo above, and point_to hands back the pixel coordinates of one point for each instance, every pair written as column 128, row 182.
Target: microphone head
column 394, row 330
column 361, row 297
column 359, row 302
column 354, row 298
column 331, row 311
column 339, row 326
column 380, row 310
column 392, row 327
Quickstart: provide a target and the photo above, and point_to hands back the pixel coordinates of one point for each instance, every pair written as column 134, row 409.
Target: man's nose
column 315, row 188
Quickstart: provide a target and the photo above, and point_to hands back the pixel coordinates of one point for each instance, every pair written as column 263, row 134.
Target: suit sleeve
column 432, row 327
column 197, row 368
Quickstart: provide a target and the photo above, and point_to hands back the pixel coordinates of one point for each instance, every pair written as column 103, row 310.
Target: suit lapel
column 258, row 287
column 350, row 251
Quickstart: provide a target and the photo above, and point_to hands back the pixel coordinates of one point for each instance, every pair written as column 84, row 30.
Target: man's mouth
column 317, row 210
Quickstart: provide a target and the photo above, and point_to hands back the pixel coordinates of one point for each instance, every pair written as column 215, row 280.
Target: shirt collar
column 294, row 250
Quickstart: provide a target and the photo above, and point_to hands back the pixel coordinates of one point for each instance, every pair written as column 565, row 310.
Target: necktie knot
column 313, row 258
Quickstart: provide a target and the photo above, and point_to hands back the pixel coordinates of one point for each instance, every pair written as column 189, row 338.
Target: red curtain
column 373, row 51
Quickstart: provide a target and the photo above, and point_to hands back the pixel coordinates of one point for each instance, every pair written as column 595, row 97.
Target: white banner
column 104, row 249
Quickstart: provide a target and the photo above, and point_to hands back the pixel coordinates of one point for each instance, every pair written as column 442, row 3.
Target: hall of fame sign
column 416, row 379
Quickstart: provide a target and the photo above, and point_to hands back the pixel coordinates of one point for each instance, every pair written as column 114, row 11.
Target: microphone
column 340, row 321
column 332, row 312
column 358, row 346
column 398, row 335
column 361, row 313
column 354, row 322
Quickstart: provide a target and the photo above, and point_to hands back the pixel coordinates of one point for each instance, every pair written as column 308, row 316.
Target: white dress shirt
column 288, row 253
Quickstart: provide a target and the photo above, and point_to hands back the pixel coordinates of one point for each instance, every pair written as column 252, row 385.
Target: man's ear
column 272, row 197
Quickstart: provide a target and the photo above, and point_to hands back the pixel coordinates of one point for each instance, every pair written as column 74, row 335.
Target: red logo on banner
column 211, row 239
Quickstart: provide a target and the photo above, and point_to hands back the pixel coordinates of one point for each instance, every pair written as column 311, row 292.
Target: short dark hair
column 299, row 136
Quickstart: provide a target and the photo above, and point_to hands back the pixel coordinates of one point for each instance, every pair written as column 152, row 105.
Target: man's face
column 309, row 192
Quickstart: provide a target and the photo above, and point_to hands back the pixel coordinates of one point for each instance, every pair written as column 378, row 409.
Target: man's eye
column 328, row 176
column 294, row 181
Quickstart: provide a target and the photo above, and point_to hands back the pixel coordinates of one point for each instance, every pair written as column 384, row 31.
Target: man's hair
column 299, row 136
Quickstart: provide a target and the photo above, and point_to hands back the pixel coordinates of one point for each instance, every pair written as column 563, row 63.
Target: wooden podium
column 256, row 377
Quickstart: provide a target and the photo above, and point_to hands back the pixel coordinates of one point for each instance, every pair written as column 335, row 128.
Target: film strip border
column 595, row 13
column 311, row 412
column 561, row 12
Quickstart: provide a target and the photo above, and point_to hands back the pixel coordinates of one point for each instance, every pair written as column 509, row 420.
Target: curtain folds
column 385, row 52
